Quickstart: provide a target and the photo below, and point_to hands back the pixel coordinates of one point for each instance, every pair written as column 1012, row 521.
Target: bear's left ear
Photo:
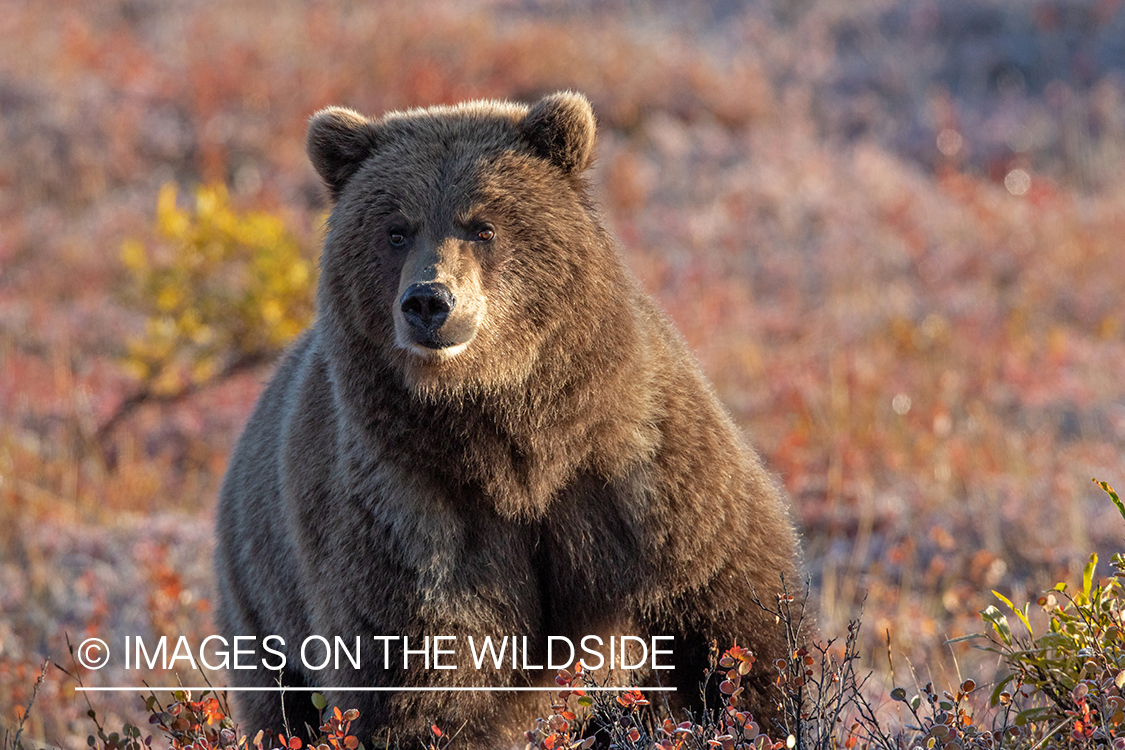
column 338, row 141
column 561, row 129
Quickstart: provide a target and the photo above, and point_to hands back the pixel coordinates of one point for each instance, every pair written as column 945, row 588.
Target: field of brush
column 892, row 232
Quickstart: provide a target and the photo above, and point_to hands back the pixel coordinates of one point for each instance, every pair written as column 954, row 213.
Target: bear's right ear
column 338, row 141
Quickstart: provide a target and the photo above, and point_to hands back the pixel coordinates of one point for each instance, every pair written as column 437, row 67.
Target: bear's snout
column 425, row 307
column 440, row 302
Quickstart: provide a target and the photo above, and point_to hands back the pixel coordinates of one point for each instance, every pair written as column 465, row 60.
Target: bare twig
column 30, row 703
column 147, row 395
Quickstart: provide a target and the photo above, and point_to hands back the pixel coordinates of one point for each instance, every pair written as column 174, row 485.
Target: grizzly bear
column 489, row 431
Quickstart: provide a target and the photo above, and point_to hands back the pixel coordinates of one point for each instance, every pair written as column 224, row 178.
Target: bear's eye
column 486, row 234
column 398, row 239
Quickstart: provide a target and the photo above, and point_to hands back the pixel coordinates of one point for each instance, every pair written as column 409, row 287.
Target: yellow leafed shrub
column 226, row 289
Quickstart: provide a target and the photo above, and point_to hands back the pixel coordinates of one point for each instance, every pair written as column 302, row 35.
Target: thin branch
column 30, row 703
column 146, row 395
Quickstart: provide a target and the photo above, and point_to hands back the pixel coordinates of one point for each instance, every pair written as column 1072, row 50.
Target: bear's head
column 462, row 240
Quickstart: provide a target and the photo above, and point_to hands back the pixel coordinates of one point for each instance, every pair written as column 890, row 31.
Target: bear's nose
column 426, row 306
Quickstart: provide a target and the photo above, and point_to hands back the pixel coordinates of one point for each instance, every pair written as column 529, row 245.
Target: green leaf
column 319, row 701
column 958, row 639
column 1033, row 714
column 1023, row 618
column 994, row 699
column 999, row 623
column 1088, row 574
column 1020, row 614
column 1112, row 496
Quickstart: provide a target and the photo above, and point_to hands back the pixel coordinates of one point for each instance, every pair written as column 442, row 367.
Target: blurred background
column 891, row 230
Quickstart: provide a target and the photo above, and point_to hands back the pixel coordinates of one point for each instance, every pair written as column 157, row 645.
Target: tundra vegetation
column 889, row 231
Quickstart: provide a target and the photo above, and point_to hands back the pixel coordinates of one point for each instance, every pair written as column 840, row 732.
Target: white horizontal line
column 371, row 689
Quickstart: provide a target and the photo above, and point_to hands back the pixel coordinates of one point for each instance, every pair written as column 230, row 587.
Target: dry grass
column 930, row 363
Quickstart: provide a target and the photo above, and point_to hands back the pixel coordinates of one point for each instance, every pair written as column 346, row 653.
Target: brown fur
column 569, row 472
